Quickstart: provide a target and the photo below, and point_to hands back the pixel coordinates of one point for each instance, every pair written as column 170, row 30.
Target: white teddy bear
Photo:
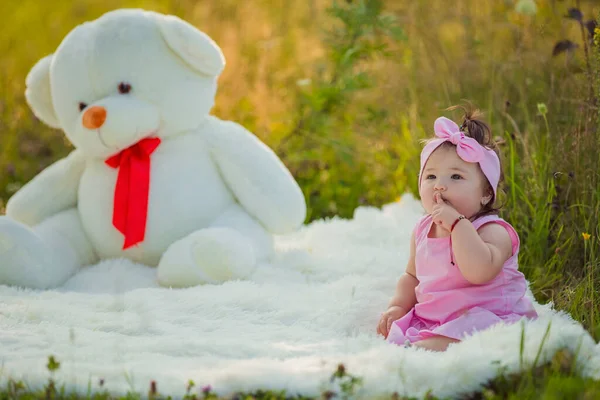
column 153, row 177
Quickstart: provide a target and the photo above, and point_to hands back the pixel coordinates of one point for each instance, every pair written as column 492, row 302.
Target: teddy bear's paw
column 7, row 244
column 223, row 254
column 211, row 255
column 22, row 255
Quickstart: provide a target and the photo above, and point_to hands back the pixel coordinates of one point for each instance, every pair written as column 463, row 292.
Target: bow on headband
column 467, row 149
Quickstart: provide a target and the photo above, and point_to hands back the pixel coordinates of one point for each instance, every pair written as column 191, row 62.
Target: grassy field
column 345, row 97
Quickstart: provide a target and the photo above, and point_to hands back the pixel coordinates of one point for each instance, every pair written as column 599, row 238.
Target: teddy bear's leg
column 229, row 249
column 44, row 256
column 237, row 218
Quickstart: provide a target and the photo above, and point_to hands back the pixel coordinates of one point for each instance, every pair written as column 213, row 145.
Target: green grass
column 556, row 380
column 345, row 105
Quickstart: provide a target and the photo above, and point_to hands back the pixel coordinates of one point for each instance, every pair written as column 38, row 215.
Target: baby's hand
column 443, row 214
column 387, row 318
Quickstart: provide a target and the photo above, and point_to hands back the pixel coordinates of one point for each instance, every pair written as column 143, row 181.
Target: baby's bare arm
column 404, row 297
column 480, row 255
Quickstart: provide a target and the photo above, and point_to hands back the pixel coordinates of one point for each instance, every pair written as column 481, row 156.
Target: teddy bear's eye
column 82, row 106
column 124, row 88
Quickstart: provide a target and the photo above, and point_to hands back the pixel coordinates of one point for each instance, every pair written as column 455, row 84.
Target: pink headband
column 467, row 148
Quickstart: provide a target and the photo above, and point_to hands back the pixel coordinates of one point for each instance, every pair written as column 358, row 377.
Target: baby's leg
column 435, row 343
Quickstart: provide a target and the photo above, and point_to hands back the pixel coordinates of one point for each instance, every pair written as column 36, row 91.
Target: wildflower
column 586, row 236
column 526, row 7
column 303, row 82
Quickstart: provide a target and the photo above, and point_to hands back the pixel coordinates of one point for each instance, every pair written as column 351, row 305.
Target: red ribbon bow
column 130, row 206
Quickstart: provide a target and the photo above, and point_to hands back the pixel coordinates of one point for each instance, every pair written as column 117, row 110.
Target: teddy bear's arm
column 257, row 177
column 51, row 191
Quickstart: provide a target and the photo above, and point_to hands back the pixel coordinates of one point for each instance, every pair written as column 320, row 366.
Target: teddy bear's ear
column 38, row 94
column 196, row 48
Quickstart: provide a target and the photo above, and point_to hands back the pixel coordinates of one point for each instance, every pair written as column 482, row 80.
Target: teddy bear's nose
column 94, row 117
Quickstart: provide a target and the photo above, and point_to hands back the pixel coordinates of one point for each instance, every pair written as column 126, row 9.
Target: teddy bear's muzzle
column 94, row 117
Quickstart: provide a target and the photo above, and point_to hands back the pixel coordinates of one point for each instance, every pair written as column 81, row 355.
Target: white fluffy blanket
column 313, row 307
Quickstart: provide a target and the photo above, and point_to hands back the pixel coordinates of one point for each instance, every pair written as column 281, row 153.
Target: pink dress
column 447, row 304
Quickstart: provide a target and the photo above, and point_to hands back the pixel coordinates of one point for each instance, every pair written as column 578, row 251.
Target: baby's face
column 461, row 184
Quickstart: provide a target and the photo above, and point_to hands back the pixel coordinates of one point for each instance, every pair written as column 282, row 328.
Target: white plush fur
column 217, row 193
column 313, row 306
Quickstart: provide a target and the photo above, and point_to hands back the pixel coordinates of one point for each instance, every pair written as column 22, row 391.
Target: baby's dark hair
column 474, row 127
